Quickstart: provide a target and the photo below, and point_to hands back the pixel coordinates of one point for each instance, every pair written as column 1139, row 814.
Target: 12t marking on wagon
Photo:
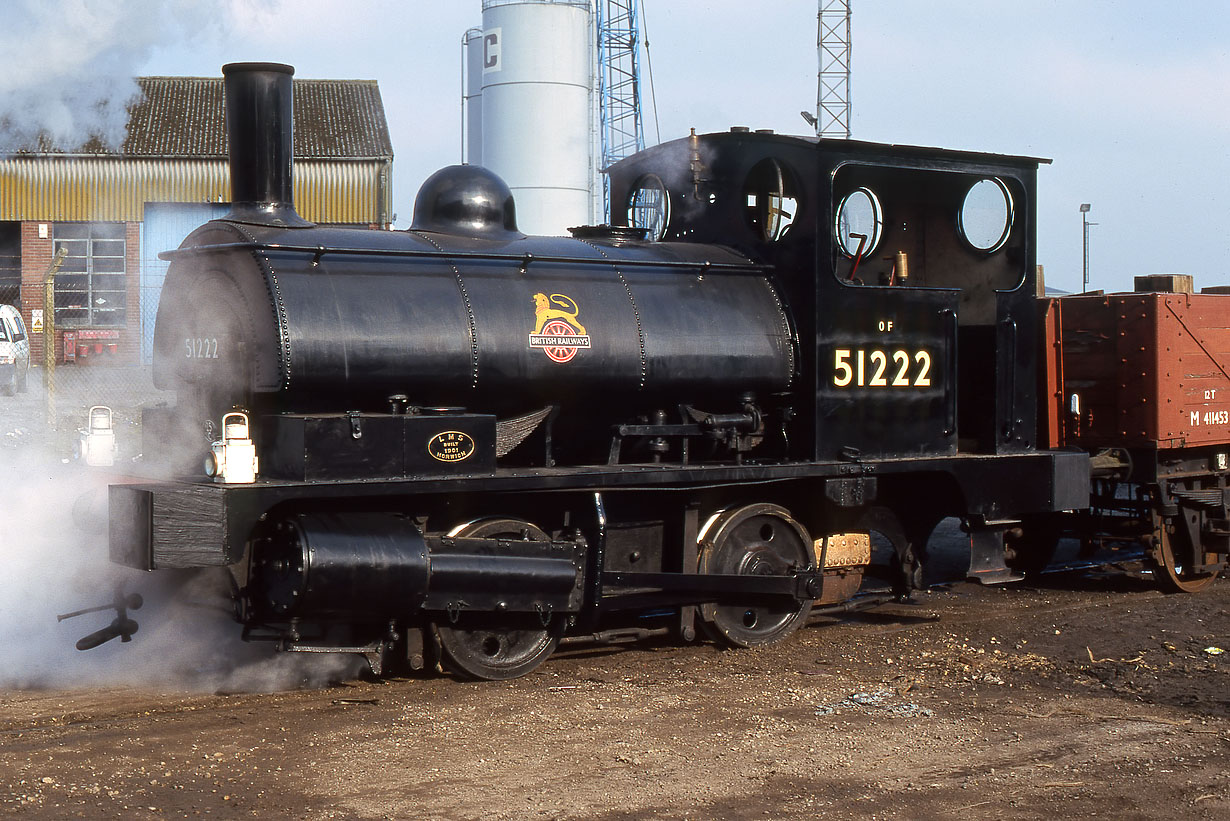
column 1209, row 417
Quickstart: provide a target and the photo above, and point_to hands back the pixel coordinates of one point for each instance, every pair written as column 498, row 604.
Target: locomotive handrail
column 1009, row 323
column 950, row 422
column 522, row 259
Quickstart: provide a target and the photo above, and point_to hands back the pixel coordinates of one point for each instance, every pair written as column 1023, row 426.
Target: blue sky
column 1130, row 99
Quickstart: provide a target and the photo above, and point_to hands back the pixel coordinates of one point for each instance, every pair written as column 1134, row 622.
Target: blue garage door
column 166, row 225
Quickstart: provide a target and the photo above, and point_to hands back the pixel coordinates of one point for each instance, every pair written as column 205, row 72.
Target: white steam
column 67, row 74
column 69, row 67
column 49, row 566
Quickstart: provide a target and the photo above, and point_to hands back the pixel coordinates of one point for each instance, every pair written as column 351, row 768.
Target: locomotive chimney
column 259, row 132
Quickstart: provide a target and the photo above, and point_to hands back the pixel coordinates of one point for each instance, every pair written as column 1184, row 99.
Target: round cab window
column 772, row 200
column 860, row 221
column 649, row 206
column 986, row 215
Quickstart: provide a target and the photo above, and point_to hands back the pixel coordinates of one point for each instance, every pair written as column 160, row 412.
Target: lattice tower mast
column 833, row 83
column 619, row 87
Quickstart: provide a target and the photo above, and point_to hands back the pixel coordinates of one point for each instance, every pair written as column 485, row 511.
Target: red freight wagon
column 1142, row 382
column 1137, row 369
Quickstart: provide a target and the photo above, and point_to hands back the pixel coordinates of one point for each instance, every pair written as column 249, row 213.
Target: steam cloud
column 187, row 639
column 69, row 66
column 68, row 77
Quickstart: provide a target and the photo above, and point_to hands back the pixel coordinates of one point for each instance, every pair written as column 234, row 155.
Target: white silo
column 537, row 109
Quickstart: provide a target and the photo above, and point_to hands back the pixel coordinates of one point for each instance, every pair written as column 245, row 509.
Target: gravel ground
column 1093, row 695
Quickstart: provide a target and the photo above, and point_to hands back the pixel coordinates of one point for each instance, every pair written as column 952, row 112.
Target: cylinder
column 537, row 108
column 378, row 565
column 477, row 574
column 259, row 132
column 327, row 563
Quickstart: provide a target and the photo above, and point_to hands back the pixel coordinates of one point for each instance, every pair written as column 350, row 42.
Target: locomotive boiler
column 464, row 442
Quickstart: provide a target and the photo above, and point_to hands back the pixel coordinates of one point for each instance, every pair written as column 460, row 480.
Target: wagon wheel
column 756, row 540
column 1174, row 555
column 492, row 647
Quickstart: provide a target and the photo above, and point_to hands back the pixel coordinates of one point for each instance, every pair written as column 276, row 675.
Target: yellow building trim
column 114, row 189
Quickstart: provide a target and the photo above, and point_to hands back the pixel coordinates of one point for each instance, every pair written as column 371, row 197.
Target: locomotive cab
column 918, row 263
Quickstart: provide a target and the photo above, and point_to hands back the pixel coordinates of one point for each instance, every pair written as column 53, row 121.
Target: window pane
column 108, row 282
column 108, row 230
column 70, row 230
column 71, row 299
column 859, row 222
column 71, row 282
column 649, row 206
column 108, row 265
column 109, row 318
column 985, row 218
column 109, row 248
column 71, row 317
column 74, row 248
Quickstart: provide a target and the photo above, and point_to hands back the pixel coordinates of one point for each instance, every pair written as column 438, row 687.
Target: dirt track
column 1091, row 696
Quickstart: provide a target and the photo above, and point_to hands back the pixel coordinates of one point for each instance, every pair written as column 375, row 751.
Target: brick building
column 113, row 212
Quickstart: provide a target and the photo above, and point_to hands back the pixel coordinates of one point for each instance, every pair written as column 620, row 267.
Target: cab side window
column 19, row 329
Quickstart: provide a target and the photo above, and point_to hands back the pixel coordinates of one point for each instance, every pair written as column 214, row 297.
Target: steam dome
column 466, row 199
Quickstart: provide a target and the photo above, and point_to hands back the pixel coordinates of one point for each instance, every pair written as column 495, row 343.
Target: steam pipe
column 260, row 143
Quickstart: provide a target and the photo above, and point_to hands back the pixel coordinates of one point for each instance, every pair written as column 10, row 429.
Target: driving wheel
column 756, row 540
column 490, row 646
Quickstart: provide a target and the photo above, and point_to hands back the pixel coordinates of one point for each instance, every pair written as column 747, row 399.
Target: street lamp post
column 1085, row 223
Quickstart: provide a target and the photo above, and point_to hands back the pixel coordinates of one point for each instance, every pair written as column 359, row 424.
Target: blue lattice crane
column 832, row 117
column 621, row 120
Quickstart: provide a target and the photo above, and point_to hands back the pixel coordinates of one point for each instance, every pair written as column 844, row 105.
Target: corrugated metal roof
column 182, row 117
column 112, row 188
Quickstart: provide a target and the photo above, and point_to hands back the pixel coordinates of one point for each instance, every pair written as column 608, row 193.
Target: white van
column 14, row 351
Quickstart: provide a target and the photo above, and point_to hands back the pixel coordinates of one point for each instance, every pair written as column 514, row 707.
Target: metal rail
column 523, row 260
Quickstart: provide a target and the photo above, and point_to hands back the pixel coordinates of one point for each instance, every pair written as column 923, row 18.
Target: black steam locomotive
column 462, row 439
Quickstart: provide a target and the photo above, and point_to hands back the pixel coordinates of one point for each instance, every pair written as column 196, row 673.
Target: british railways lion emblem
column 556, row 329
